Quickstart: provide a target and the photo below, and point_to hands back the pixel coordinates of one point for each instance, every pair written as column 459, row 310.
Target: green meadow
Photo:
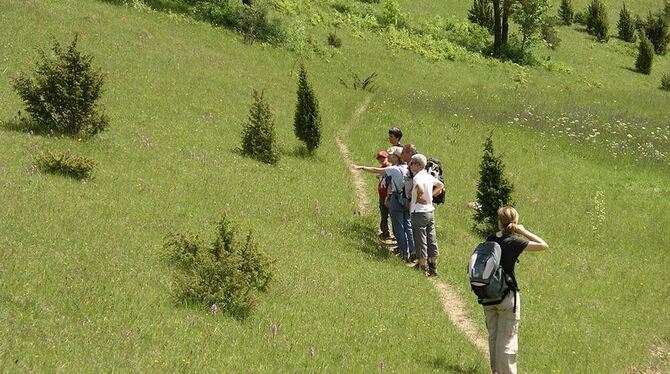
column 84, row 286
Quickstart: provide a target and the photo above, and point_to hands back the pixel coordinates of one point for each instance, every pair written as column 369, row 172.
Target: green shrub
column 65, row 164
column 596, row 21
column 580, row 18
column 254, row 24
column 392, row 15
column 481, row 13
column 513, row 52
column 307, row 119
column 549, row 34
column 258, row 136
column 657, row 29
column 369, row 1
column 493, row 190
column 223, row 13
column 334, row 40
column 665, row 82
column 566, row 12
column 227, row 273
column 626, row 25
column 645, row 56
column 64, row 92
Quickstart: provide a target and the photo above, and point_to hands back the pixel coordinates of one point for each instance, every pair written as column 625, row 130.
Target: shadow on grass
column 363, row 238
column 442, row 365
column 24, row 125
column 300, row 152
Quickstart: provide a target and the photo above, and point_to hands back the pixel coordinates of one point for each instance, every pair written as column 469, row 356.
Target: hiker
column 395, row 134
column 421, row 209
column 502, row 320
column 408, row 150
column 400, row 220
column 382, row 190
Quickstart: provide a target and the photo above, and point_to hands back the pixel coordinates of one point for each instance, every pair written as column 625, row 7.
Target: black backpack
column 434, row 168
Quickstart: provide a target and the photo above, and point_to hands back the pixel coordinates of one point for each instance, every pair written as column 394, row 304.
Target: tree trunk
column 507, row 11
column 497, row 28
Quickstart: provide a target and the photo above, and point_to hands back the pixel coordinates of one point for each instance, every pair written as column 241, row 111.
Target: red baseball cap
column 382, row 154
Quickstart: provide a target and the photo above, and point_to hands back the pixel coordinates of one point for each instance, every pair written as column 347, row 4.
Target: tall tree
column 307, row 120
column 530, row 15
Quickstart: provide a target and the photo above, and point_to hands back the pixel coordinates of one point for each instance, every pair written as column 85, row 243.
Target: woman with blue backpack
column 502, row 318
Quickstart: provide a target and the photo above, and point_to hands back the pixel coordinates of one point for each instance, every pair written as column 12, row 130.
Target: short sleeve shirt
column 396, row 173
column 511, row 246
column 423, row 184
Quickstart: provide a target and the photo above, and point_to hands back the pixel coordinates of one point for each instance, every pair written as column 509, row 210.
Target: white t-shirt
column 422, row 193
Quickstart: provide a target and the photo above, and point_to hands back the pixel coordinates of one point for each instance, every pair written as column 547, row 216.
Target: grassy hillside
column 83, row 286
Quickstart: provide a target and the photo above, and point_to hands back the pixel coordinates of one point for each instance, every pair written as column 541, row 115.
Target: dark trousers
column 384, row 218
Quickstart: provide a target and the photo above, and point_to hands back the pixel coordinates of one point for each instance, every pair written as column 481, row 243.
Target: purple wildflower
column 273, row 328
column 214, row 308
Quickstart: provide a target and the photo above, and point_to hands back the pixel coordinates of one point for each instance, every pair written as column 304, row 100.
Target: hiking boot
column 432, row 269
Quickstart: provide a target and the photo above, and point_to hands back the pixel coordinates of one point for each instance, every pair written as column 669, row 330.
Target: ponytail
column 508, row 219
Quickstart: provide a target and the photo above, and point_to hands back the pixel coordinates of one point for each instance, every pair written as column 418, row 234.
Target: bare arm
column 370, row 169
column 535, row 243
column 438, row 187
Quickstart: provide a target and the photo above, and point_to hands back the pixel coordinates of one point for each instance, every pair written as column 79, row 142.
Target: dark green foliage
column 334, row 40
column 228, row 273
column 665, row 82
column 580, row 18
column 307, row 120
column 367, row 84
column 596, row 20
column 550, row 35
column 63, row 94
column 566, row 12
column 369, row 1
column 626, row 25
column 481, row 13
column 493, row 190
column 645, row 56
column 258, row 135
column 65, row 164
column 255, row 25
column 657, row 29
column 512, row 51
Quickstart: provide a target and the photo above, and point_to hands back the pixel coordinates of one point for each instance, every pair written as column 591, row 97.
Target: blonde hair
column 508, row 219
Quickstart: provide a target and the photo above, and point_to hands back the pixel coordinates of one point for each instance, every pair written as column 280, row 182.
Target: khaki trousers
column 503, row 325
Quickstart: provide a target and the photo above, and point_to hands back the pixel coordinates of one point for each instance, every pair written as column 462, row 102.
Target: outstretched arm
column 535, row 243
column 370, row 169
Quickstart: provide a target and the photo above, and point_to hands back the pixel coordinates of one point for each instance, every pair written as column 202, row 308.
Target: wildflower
column 312, row 352
column 273, row 329
column 214, row 308
column 381, row 365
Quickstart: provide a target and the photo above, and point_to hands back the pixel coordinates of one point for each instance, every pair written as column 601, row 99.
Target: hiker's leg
column 411, row 251
column 383, row 218
column 508, row 334
column 398, row 230
column 431, row 240
column 491, row 315
column 419, row 236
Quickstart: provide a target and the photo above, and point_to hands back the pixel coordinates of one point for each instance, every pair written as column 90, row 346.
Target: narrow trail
column 452, row 302
column 362, row 201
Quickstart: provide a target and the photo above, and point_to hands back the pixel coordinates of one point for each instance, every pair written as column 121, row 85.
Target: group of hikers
column 406, row 193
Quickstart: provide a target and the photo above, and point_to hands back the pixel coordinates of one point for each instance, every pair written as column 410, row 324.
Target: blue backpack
column 487, row 277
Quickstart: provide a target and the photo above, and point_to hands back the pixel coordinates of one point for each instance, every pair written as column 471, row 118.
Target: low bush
column 224, row 275
column 65, row 164
column 513, row 52
column 481, row 13
column 392, row 15
column 63, row 93
column 580, row 18
column 550, row 36
column 665, row 82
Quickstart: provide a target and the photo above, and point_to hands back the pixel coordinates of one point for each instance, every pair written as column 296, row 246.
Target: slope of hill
column 83, row 284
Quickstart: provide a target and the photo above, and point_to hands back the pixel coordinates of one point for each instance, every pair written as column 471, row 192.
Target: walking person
column 421, row 209
column 502, row 320
column 400, row 219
